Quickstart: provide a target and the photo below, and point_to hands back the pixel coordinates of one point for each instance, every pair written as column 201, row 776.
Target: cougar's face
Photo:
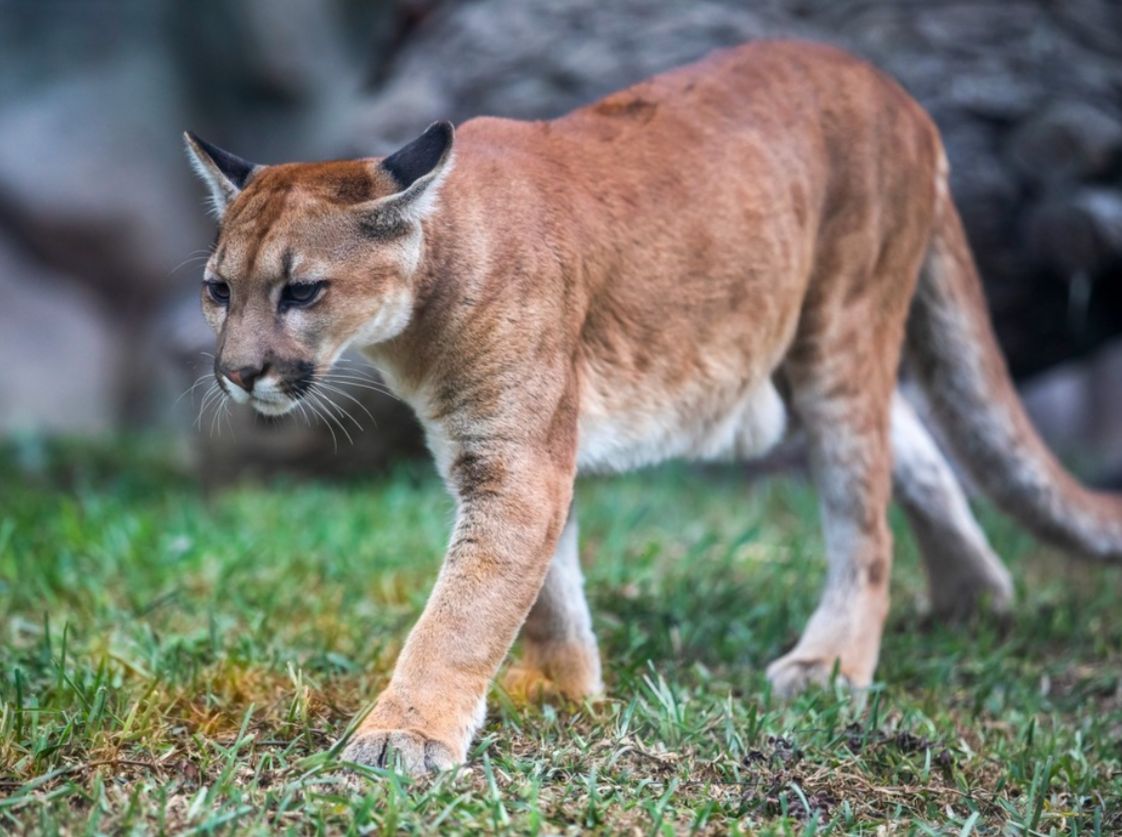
column 309, row 259
column 292, row 282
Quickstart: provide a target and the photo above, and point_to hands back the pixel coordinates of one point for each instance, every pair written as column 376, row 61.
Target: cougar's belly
column 621, row 429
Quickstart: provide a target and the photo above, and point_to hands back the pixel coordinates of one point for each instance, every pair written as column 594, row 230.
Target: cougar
column 697, row 266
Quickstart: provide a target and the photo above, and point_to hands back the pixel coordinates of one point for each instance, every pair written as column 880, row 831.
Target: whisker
column 360, row 385
column 330, row 407
column 349, row 366
column 213, row 391
column 189, row 260
column 214, row 417
column 360, row 364
column 207, row 359
column 351, row 375
column 344, row 376
column 208, row 397
column 347, row 395
column 198, row 382
column 331, row 430
column 378, row 391
column 227, row 413
column 303, row 412
column 342, row 427
column 338, row 407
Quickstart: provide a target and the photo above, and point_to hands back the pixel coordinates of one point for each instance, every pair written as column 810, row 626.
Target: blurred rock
column 1070, row 140
column 1079, row 233
column 92, row 177
column 61, row 368
column 538, row 59
column 1097, row 22
column 294, row 48
column 1077, row 409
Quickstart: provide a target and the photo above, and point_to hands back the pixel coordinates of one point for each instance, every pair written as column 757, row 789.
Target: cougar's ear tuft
column 417, row 169
column 224, row 174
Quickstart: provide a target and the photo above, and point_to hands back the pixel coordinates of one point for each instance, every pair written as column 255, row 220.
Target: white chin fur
column 273, row 408
column 267, row 398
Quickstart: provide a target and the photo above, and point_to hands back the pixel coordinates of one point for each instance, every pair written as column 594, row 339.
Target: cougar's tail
column 953, row 352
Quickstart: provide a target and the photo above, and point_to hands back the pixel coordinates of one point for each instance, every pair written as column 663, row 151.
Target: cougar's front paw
column 410, row 752
column 416, row 731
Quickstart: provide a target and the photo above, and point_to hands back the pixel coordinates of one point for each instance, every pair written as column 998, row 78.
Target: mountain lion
column 697, row 266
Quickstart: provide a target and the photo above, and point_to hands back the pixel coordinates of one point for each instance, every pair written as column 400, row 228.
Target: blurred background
column 103, row 228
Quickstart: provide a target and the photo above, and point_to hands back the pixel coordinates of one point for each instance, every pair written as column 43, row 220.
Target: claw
column 410, row 752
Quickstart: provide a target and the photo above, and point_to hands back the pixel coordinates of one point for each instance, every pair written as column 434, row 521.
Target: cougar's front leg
column 513, row 500
column 559, row 653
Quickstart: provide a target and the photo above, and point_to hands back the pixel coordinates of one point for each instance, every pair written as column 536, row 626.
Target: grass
column 178, row 663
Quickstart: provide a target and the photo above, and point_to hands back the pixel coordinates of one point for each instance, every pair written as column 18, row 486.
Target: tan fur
column 683, row 268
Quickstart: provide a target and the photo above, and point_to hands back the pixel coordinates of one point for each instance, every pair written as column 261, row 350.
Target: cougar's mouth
column 273, row 405
column 272, row 394
column 316, row 394
column 277, row 396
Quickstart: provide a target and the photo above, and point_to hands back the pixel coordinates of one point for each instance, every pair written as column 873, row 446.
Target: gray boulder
column 62, row 364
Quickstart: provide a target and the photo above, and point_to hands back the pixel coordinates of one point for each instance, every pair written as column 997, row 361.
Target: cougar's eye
column 219, row 292
column 301, row 294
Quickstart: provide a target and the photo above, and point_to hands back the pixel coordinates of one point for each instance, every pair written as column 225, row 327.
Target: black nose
column 244, row 377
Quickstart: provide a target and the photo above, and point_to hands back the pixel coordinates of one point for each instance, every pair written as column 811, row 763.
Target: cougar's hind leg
column 962, row 570
column 846, row 417
column 560, row 658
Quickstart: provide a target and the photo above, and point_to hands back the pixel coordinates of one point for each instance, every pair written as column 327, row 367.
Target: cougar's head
column 311, row 258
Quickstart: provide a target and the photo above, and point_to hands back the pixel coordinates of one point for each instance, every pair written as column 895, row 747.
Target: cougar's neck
column 448, row 264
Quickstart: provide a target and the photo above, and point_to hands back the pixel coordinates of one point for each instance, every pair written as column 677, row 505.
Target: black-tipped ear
column 420, row 157
column 418, row 169
column 225, row 174
column 233, row 168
